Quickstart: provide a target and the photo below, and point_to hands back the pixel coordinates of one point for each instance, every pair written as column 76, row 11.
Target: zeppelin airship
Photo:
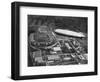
column 70, row 33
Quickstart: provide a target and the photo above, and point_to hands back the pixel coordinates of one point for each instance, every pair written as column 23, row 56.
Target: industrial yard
column 49, row 46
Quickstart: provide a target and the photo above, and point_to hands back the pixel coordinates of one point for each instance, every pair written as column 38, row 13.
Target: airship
column 67, row 32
